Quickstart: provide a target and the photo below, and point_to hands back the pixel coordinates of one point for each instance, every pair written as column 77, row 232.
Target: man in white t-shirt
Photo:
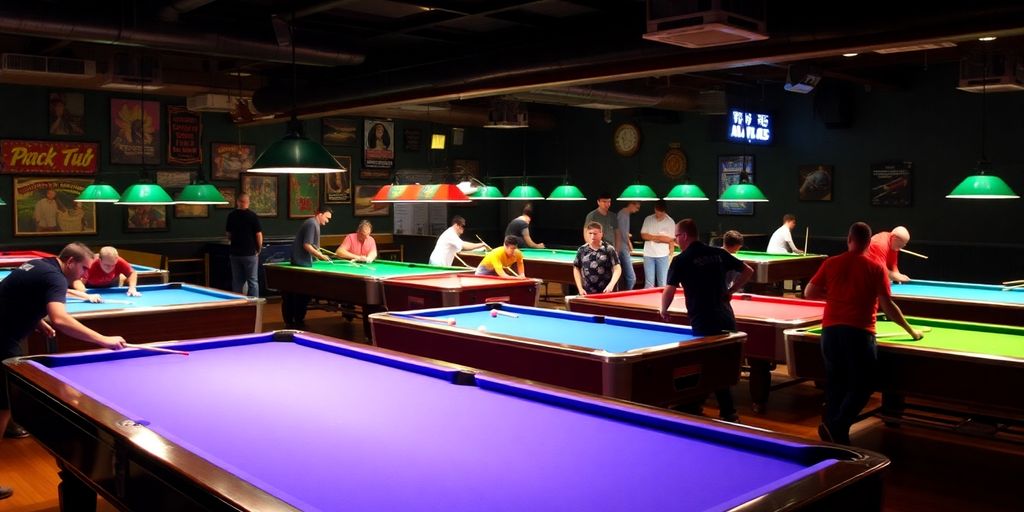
column 658, row 232
column 450, row 242
column 782, row 239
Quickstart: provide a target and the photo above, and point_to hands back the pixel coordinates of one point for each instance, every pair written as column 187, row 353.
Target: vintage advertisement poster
column 47, row 207
column 48, row 157
column 379, row 149
column 303, row 195
column 338, row 185
column 891, row 184
column 135, row 132
column 184, row 136
column 230, row 160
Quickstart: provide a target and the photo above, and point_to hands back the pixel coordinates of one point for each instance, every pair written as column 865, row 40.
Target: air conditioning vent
column 132, row 70
column 213, row 103
column 25, row 65
column 705, row 23
column 996, row 73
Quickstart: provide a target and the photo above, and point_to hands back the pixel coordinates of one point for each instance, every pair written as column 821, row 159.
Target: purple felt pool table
column 293, row 421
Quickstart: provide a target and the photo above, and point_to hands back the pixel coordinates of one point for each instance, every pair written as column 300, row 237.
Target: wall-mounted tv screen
column 749, row 127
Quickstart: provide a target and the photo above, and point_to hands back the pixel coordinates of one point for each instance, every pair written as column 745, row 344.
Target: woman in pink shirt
column 359, row 246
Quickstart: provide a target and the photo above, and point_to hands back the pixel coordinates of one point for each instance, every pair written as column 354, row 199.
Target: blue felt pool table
column 147, row 275
column 647, row 362
column 162, row 312
column 970, row 302
column 293, row 421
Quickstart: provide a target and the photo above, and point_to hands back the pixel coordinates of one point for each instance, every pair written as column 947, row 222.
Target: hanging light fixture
column 2, row 203
column 98, row 192
column 487, row 192
column 443, row 193
column 144, row 191
column 295, row 154
column 567, row 191
column 981, row 185
column 744, row 191
column 637, row 192
column 686, row 191
column 524, row 191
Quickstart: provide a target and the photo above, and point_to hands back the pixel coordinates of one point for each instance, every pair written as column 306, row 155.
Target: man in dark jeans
column 246, row 236
column 853, row 286
column 702, row 271
column 305, row 249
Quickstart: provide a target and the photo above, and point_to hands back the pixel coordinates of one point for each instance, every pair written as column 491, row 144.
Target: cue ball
column 482, row 328
column 451, row 321
column 494, row 313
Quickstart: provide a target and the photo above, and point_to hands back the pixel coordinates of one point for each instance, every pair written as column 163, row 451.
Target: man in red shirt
column 853, row 286
column 885, row 250
column 106, row 271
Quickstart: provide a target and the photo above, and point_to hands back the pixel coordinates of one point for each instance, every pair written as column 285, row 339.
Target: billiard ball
column 494, row 313
column 482, row 328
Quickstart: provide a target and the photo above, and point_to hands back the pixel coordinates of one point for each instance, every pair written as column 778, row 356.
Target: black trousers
column 851, row 369
column 293, row 307
column 709, row 325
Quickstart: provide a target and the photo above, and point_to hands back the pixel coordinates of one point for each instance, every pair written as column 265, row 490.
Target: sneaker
column 731, row 418
column 14, row 431
column 825, row 434
column 5, row 492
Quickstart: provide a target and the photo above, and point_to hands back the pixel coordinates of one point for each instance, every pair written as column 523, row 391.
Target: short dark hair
column 687, row 227
column 528, row 210
column 788, row 217
column 458, row 219
column 860, row 234
column 75, row 251
column 593, row 225
column 604, row 195
column 323, row 209
column 660, row 205
column 511, row 240
column 732, row 238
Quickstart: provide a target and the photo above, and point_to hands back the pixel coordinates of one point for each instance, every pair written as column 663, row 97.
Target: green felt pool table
column 772, row 268
column 971, row 302
column 972, row 367
column 549, row 265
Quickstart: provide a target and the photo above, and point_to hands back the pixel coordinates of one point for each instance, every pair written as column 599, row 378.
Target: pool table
column 550, row 265
column 294, row 421
column 150, row 275
column 652, row 363
column 764, row 320
column 163, row 312
column 16, row 258
column 435, row 291
column 961, row 301
column 972, row 367
column 345, row 282
column 772, row 268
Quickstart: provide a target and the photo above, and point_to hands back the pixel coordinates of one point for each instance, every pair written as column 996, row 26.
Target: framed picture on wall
column 892, row 184
column 67, row 113
column 362, row 207
column 303, row 195
column 173, row 179
column 733, row 169
column 262, row 190
column 143, row 218
column 815, row 182
column 135, row 131
column 47, row 207
column 229, row 193
column 338, row 185
column 339, row 132
column 228, row 161
column 191, row 211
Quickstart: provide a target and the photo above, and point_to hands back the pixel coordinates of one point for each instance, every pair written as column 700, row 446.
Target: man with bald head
column 885, row 250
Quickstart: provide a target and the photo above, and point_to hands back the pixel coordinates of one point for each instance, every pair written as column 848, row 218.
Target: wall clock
column 674, row 163
column 626, row 139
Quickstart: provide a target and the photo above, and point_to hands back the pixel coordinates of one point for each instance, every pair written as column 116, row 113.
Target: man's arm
column 744, row 276
column 67, row 324
column 893, row 312
column 529, row 241
column 578, row 277
column 815, row 292
column 314, row 252
column 259, row 241
column 372, row 256
column 471, row 246
column 616, row 273
column 78, row 291
column 897, row 276
column 667, row 297
column 133, row 281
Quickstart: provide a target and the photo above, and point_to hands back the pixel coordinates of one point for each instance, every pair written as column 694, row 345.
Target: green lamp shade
column 743, row 192
column 567, row 193
column 98, row 193
column 638, row 192
column 200, row 193
column 524, row 191
column 686, row 192
column 983, row 186
column 487, row 193
column 295, row 154
column 2, row 203
column 145, row 193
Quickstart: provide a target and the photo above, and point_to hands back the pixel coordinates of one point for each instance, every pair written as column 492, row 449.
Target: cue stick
column 912, row 253
column 463, row 262
column 1018, row 281
column 1014, row 287
column 902, row 333
column 329, row 253
column 157, row 349
column 482, row 241
column 445, row 321
column 807, row 236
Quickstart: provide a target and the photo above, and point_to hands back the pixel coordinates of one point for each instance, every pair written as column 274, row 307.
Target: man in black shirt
column 305, row 249
column 520, row 228
column 246, row 236
column 702, row 271
column 35, row 290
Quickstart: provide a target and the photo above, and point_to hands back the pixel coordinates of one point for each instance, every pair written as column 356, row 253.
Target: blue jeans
column 628, row 275
column 851, row 365
column 655, row 271
column 243, row 272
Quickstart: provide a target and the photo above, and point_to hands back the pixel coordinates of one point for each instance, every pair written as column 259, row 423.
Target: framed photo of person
column 67, row 113
column 144, row 218
column 338, row 185
column 378, row 144
column 361, row 205
column 815, row 182
column 47, row 207
column 733, row 169
column 303, row 195
column 228, row 161
column 262, row 190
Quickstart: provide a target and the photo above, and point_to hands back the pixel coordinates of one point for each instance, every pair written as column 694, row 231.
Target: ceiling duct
column 507, row 114
column 705, row 23
column 606, row 98
column 38, row 65
column 992, row 73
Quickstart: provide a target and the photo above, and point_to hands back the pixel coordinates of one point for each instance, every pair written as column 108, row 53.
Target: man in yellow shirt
column 500, row 258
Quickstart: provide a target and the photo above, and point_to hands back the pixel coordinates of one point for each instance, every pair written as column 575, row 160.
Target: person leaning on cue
column 885, row 250
column 500, row 258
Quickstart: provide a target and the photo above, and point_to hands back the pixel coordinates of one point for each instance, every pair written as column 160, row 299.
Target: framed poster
column 135, row 131
column 184, row 136
column 191, row 211
column 413, row 138
column 67, row 113
column 362, row 207
column 47, row 207
column 229, row 193
column 143, row 218
column 173, row 179
column 228, row 161
column 339, row 132
column 731, row 170
column 374, row 174
column 262, row 190
column 892, row 184
column 815, row 182
column 338, row 185
column 303, row 195
column 379, row 144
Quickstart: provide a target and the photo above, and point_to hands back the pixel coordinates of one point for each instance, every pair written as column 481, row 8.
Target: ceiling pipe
column 169, row 38
column 603, row 98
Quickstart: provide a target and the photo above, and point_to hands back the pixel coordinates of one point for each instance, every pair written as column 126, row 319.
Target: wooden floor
column 931, row 470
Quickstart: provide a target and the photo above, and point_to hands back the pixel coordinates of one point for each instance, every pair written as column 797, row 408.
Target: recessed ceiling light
column 987, row 38
column 239, row 73
column 851, row 54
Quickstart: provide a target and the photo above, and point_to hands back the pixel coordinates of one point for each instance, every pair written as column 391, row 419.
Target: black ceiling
column 360, row 54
